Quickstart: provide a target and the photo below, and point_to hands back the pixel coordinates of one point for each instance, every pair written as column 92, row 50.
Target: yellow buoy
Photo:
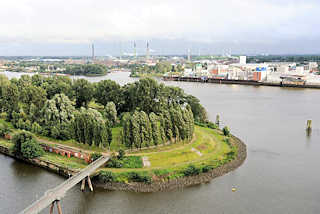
column 234, row 189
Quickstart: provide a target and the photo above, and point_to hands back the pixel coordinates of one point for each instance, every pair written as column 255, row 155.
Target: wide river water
column 280, row 175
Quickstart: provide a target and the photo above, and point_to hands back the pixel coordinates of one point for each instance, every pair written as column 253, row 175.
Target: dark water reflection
column 280, row 175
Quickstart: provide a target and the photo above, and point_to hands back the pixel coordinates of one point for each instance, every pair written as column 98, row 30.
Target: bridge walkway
column 57, row 193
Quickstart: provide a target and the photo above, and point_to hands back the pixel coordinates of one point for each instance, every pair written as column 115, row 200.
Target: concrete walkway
column 196, row 151
column 146, row 162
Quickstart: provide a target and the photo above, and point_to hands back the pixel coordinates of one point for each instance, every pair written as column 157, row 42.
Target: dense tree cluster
column 143, row 130
column 160, row 68
column 91, row 128
column 88, row 69
column 151, row 113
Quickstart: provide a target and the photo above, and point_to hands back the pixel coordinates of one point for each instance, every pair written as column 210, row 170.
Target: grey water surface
column 280, row 175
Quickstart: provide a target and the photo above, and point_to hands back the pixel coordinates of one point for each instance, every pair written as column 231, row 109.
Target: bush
column 161, row 172
column 191, row 170
column 206, row 168
column 4, row 129
column 125, row 162
column 207, row 124
column 227, row 140
column 121, row 154
column 18, row 139
column 3, row 116
column 95, row 156
column 139, row 177
column 36, row 128
column 55, row 133
column 31, row 149
column 226, row 131
column 21, row 124
column 106, row 176
column 231, row 155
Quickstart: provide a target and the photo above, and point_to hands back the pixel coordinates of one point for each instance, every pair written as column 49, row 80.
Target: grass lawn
column 6, row 143
column 208, row 142
column 178, row 155
column 116, row 140
column 73, row 163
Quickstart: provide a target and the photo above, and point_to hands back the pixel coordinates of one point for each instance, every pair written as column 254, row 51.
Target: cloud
column 205, row 21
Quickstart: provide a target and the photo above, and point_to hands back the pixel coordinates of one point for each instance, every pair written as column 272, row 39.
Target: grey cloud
column 50, row 27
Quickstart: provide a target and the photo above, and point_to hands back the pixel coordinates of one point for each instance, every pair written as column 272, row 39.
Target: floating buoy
column 234, row 189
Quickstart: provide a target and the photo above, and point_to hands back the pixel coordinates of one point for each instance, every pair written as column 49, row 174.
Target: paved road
column 58, row 192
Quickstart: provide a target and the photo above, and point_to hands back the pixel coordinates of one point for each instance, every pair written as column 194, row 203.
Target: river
column 281, row 173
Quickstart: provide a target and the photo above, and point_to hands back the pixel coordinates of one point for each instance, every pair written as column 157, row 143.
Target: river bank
column 154, row 186
column 50, row 166
column 179, row 183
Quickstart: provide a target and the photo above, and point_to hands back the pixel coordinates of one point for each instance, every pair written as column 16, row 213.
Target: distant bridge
column 53, row 196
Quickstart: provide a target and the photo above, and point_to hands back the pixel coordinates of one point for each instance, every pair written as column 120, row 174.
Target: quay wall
column 50, row 166
column 237, row 82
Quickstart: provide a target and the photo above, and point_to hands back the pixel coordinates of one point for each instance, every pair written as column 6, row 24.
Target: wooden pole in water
column 90, row 184
column 83, row 184
column 51, row 208
column 309, row 125
column 59, row 207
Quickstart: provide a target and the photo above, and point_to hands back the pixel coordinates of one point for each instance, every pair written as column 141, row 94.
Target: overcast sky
column 67, row 27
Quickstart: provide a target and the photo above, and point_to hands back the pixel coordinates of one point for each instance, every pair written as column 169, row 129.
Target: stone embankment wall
column 41, row 163
column 185, row 181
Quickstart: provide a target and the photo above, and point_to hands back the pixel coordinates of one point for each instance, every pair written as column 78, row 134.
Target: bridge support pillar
column 57, row 202
column 90, row 184
column 83, row 184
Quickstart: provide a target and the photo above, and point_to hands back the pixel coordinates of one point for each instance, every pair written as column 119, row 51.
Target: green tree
column 9, row 99
column 226, row 131
column 90, row 128
column 156, row 128
column 111, row 113
column 57, row 115
column 107, row 91
column 36, row 128
column 31, row 149
column 84, row 91
column 18, row 139
column 4, row 129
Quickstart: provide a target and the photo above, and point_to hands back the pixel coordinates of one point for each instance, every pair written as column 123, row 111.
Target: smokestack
column 148, row 51
column 189, row 55
column 135, row 49
column 92, row 51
